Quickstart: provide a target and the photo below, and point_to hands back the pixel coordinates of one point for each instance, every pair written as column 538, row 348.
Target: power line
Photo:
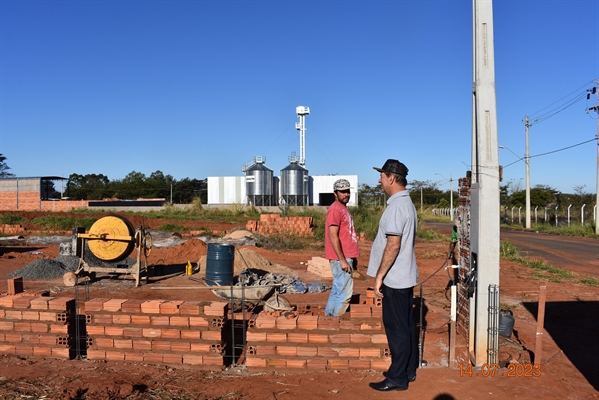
column 578, row 96
column 551, row 152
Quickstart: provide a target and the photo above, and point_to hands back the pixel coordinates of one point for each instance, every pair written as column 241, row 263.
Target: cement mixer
column 111, row 239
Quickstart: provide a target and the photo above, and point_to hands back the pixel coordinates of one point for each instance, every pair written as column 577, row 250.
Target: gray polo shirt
column 398, row 219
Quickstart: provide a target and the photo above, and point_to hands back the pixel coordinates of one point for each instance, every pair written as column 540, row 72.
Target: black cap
column 394, row 167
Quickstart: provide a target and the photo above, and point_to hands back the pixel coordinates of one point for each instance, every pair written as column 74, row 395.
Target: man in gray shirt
column 393, row 265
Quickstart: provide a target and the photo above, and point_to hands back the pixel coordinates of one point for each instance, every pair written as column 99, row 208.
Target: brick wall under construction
column 270, row 224
column 192, row 333
column 463, row 224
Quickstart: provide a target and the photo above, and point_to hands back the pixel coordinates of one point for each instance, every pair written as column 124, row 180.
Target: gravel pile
column 46, row 268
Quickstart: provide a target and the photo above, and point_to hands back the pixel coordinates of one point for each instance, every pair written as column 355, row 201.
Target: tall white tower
column 302, row 111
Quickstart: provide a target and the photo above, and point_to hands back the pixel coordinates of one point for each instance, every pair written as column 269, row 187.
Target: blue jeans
column 342, row 290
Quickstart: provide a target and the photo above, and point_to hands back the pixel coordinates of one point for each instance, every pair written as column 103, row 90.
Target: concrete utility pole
column 485, row 210
column 527, row 162
column 596, row 108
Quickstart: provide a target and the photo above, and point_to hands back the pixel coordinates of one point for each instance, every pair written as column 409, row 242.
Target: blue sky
column 198, row 88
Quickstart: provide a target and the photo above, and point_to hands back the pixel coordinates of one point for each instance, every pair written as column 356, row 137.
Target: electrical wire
column 561, row 107
column 551, row 152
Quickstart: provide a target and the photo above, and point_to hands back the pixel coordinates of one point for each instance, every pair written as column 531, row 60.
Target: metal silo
column 259, row 183
column 294, row 184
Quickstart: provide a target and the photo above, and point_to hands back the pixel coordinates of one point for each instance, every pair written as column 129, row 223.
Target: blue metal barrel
column 220, row 261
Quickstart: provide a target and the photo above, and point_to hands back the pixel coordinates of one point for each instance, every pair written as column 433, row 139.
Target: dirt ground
column 569, row 368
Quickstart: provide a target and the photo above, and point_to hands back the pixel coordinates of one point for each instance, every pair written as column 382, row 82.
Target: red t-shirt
column 339, row 215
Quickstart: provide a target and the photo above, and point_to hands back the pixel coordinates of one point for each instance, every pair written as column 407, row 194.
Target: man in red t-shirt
column 341, row 249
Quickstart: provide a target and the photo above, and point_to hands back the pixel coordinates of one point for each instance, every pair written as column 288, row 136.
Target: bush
column 52, row 222
column 11, row 219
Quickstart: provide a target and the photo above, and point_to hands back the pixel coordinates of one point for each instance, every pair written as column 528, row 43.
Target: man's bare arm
column 389, row 255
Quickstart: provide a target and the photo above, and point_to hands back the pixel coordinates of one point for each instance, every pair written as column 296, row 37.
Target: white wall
column 324, row 184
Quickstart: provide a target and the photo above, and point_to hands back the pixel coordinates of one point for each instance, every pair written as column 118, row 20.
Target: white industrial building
column 294, row 187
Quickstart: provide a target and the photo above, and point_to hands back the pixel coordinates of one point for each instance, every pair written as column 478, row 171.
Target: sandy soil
column 569, row 367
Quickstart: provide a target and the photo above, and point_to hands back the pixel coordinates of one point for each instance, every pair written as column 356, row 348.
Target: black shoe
column 410, row 378
column 385, row 386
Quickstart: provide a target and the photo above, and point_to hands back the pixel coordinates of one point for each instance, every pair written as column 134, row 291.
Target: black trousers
column 398, row 319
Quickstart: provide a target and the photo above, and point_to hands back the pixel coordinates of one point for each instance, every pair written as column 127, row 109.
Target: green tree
column 4, row 168
column 185, row 190
column 426, row 192
column 540, row 195
column 88, row 187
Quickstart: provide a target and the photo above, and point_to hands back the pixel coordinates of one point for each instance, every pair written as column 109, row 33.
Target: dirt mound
column 246, row 257
column 190, row 250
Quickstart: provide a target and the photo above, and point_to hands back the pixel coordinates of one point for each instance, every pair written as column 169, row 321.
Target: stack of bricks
column 270, row 224
column 33, row 325
column 463, row 223
column 320, row 266
column 12, row 229
column 287, row 340
column 156, row 331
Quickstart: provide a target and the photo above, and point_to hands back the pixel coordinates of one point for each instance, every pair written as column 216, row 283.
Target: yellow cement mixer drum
column 113, row 239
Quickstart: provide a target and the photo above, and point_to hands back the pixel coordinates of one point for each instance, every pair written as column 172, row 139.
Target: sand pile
column 245, row 257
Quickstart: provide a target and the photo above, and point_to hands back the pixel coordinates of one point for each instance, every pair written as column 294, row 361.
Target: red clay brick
column 31, row 315
column 189, row 308
column 276, row 363
column 253, row 336
column 359, row 364
column 7, row 301
column 324, row 351
column 94, row 305
column 13, row 314
column 307, row 322
column 132, row 306
column 151, row 306
column 181, row 346
column 47, row 340
column 359, row 338
column 115, row 355
column 54, row 328
column 171, row 333
column 318, row 338
column 130, row 331
column 22, row 301
column 306, row 351
column 348, row 325
column 134, row 357
column 39, row 327
column 370, row 352
column 286, row 350
column 317, row 363
column 23, row 350
column 152, row 357
column 172, row 359
column 61, row 304
column 159, row 320
column 104, row 342
column 101, row 319
column 12, row 337
column 338, row 364
column 371, row 326
column 96, row 354
column 296, row 364
column 340, row 338
column 123, row 319
column 142, row 344
column 211, row 335
column 192, row 359
column 266, row 350
column 95, row 330
column 40, row 303
column 328, row 323
column 7, row 325
column 140, row 319
column 113, row 330
column 160, row 345
column 47, row 316
column 170, row 307
column 200, row 348
column 123, row 343
column 379, row 338
column 255, row 362
column 283, row 322
column 264, row 321
column 15, row 285
column 296, row 337
column 276, row 337
column 113, row 305
column 348, row 352
column 7, row 349
column 152, row 332
column 42, row 351
column 210, row 360
column 198, row 321
column 190, row 334
column 179, row 321
column 30, row 339
column 380, row 364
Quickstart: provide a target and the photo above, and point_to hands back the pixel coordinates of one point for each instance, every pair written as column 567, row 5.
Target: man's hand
column 378, row 284
column 345, row 265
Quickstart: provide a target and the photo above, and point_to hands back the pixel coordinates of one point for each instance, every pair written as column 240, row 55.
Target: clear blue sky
column 198, row 88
